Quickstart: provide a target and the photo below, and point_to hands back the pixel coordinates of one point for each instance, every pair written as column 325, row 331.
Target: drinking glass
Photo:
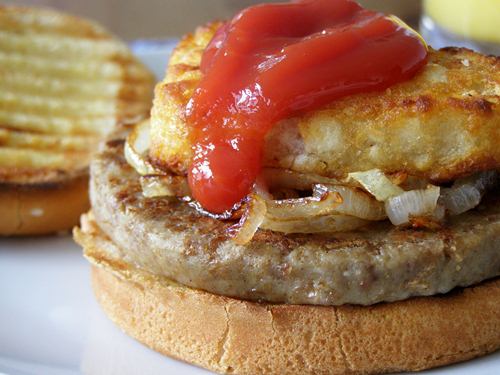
column 474, row 24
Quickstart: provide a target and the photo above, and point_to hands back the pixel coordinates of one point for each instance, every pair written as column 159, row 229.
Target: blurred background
column 167, row 18
column 468, row 23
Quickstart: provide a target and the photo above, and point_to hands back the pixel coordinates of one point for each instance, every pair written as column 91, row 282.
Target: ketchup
column 274, row 61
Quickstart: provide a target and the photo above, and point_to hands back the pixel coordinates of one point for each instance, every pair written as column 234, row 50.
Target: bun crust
column 66, row 84
column 227, row 335
column 43, row 208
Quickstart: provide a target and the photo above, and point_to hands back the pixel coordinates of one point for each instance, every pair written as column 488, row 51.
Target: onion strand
column 466, row 193
column 377, row 184
column 252, row 219
column 358, row 203
column 136, row 149
column 414, row 203
column 334, row 205
column 322, row 202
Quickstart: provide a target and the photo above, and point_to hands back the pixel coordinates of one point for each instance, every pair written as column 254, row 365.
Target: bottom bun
column 227, row 335
column 42, row 208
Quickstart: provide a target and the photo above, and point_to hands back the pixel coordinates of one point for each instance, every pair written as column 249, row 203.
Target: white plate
column 50, row 323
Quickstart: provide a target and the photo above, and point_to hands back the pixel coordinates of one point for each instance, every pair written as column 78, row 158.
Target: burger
column 65, row 83
column 316, row 192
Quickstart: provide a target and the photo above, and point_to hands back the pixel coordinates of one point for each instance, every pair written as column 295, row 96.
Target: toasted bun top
column 65, row 83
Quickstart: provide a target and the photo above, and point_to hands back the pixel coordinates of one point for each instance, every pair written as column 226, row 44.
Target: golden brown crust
column 440, row 125
column 234, row 336
column 42, row 208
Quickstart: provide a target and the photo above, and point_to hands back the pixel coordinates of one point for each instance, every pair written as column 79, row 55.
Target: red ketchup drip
column 274, row 61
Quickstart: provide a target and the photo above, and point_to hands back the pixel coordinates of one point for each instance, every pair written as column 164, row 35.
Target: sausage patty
column 380, row 262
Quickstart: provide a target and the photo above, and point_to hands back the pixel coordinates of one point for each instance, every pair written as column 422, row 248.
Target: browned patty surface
column 378, row 263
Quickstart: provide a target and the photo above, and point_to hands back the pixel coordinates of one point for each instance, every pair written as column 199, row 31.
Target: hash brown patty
column 441, row 125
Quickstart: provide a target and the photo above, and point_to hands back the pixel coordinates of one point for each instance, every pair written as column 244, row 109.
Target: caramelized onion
column 316, row 214
column 154, row 182
column 136, row 150
column 322, row 202
column 251, row 220
column 377, row 184
column 432, row 221
column 335, row 205
column 466, row 193
column 164, row 186
column 415, row 203
column 358, row 203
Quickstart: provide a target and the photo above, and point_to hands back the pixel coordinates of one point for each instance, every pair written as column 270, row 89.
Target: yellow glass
column 477, row 20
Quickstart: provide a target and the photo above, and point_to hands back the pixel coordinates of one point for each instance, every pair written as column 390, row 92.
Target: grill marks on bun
column 65, row 82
